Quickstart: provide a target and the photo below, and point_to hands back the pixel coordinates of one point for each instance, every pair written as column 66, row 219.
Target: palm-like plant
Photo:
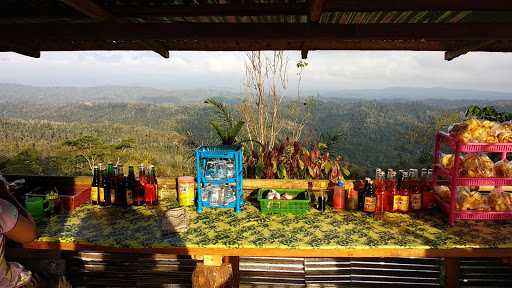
column 228, row 128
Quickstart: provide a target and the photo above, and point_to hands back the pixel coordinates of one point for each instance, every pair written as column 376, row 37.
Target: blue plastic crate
column 219, row 152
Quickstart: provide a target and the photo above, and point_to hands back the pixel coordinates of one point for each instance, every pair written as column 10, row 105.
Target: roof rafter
column 452, row 54
column 97, row 12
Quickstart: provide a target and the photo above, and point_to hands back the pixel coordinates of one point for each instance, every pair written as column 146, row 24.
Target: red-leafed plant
column 290, row 160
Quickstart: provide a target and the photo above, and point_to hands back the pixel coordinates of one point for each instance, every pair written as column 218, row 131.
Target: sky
column 326, row 70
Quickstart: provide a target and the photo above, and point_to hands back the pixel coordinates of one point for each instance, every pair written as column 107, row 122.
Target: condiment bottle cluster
column 110, row 186
column 399, row 192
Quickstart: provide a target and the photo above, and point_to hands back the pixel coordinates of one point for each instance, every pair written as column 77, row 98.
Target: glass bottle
column 150, row 188
column 370, row 198
column 95, row 185
column 415, row 190
column 352, row 197
column 404, row 192
column 428, row 192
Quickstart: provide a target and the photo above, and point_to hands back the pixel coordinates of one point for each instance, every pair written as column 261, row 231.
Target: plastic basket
column 270, row 206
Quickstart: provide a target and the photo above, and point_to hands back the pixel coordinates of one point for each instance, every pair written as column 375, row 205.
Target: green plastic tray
column 270, row 206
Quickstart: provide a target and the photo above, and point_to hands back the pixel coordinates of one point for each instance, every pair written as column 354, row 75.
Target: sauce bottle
column 403, row 205
column 338, row 196
column 415, row 190
column 352, row 199
column 370, row 198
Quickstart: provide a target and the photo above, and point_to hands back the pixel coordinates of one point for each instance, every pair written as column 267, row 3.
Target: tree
column 227, row 128
column 265, row 78
column 123, row 146
column 89, row 147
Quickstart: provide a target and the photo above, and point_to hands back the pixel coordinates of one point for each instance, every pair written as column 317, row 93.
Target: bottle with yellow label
column 95, row 186
column 370, row 198
column 403, row 205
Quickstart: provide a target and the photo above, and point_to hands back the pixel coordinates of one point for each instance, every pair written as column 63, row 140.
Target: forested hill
column 15, row 93
column 367, row 133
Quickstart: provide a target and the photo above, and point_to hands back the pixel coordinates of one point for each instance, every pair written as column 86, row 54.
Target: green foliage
column 228, row 129
column 487, row 113
column 292, row 160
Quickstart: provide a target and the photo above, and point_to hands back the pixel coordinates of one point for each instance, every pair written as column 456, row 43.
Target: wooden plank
column 235, row 266
column 255, row 32
column 250, row 45
column 452, row 272
column 432, row 5
column 315, row 10
column 97, row 12
column 287, row 252
column 90, row 8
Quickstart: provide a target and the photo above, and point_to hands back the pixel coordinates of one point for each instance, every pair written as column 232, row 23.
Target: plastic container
column 455, row 180
column 270, row 206
column 185, row 189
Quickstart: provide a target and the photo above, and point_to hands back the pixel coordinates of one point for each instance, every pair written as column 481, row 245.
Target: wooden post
column 452, row 267
column 235, row 266
column 212, row 273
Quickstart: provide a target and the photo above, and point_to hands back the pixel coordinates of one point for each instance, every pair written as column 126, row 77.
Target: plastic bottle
column 338, row 196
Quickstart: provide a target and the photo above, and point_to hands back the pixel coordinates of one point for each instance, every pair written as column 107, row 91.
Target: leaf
column 233, row 132
column 327, row 166
column 281, row 172
column 322, row 146
column 259, row 169
column 311, row 171
column 345, row 171
column 301, row 164
column 220, row 132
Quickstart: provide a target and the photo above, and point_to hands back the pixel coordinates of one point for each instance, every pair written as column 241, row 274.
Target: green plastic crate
column 270, row 206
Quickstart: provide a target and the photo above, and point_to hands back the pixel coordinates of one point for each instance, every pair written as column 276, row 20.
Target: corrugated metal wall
column 484, row 272
column 340, row 272
column 96, row 269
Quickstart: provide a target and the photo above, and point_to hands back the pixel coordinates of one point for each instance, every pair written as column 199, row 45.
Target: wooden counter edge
column 286, row 252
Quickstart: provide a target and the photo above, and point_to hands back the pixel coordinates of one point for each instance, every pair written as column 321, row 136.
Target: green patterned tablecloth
column 139, row 227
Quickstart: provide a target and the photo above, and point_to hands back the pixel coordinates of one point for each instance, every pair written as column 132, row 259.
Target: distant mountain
column 407, row 93
column 15, row 93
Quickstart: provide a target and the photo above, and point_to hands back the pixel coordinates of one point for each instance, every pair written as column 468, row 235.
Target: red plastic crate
column 71, row 202
column 455, row 180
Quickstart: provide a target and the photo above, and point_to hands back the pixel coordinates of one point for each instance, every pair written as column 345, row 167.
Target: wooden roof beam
column 253, row 31
column 315, row 10
column 97, row 12
column 29, row 53
column 414, row 5
column 452, row 54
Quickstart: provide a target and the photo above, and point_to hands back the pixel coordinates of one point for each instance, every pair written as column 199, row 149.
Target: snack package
column 484, row 204
column 443, row 192
column 503, row 168
column 500, row 201
column 468, row 200
column 477, row 165
column 504, row 132
column 477, row 131
column 447, row 160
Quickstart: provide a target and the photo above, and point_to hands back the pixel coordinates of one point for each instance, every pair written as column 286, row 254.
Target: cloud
column 326, row 70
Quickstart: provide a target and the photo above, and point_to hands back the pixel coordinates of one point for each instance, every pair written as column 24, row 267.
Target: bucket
column 186, row 192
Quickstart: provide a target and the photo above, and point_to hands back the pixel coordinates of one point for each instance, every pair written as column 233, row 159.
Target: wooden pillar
column 212, row 273
column 452, row 267
column 235, row 266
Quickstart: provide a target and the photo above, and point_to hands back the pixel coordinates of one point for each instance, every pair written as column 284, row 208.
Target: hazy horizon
column 327, row 70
